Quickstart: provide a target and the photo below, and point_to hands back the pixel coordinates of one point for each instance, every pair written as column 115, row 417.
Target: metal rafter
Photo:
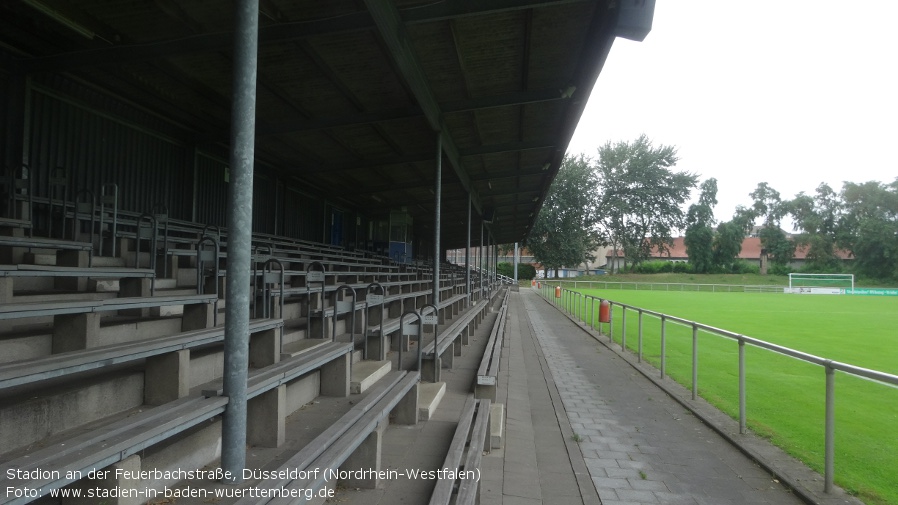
column 394, row 35
column 220, row 41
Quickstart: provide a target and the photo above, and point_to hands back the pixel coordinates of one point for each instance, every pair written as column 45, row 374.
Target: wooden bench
column 8, row 222
column 264, row 379
column 57, row 365
column 488, row 372
column 85, row 248
column 106, row 445
column 468, row 488
column 266, row 388
column 442, row 491
column 363, row 424
column 64, row 271
column 438, row 350
column 76, row 323
column 115, row 441
column 38, row 309
column 67, row 277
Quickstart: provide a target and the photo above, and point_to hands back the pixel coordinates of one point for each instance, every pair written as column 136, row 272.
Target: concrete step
column 186, row 277
column 166, row 283
column 125, row 330
column 366, row 373
column 110, row 261
column 160, row 291
column 32, row 284
column 36, row 257
column 293, row 334
column 26, row 297
column 103, row 285
column 113, row 285
column 497, row 425
column 429, row 396
column 300, row 346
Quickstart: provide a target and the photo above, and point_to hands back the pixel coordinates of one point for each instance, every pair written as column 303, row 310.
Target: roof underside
column 351, row 93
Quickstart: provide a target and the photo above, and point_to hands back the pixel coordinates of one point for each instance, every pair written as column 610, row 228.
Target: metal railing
column 668, row 286
column 580, row 305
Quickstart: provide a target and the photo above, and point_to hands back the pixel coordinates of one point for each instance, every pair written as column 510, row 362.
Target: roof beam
column 438, row 11
column 221, row 41
column 301, row 125
column 204, row 43
column 507, row 147
column 393, row 33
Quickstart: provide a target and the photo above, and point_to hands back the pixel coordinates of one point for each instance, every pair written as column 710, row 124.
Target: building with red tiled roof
column 751, row 252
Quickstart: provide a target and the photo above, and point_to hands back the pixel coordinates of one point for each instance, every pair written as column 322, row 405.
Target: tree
column 564, row 232
column 642, row 197
column 869, row 227
column 505, row 250
column 818, row 218
column 770, row 207
column 727, row 244
column 699, row 233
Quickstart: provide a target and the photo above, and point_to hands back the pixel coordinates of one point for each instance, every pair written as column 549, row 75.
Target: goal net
column 820, row 283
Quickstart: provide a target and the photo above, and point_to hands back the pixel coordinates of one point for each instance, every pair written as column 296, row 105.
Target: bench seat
column 108, row 444
column 56, row 365
column 336, row 444
column 38, row 309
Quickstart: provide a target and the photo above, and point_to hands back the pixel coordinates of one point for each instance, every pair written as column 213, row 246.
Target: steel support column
column 468, row 258
column 514, row 259
column 240, row 221
column 480, row 263
column 487, row 265
column 437, row 190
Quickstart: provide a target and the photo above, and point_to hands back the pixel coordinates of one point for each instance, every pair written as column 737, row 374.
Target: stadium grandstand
column 223, row 227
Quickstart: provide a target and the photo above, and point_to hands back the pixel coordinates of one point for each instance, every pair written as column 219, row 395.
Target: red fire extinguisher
column 605, row 311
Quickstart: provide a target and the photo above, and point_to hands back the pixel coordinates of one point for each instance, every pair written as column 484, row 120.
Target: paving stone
column 640, row 446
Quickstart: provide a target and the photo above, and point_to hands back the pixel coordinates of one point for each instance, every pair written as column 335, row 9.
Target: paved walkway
column 635, row 443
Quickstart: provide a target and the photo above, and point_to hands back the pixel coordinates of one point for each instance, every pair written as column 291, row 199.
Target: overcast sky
column 788, row 92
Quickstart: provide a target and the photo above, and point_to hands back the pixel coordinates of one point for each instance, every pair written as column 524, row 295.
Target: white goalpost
column 821, row 284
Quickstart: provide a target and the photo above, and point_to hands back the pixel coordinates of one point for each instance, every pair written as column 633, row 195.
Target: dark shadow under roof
column 351, row 93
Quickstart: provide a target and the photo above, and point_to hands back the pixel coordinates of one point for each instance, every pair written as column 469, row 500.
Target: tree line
column 632, row 199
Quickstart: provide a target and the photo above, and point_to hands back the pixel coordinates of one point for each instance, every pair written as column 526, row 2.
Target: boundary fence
column 668, row 286
column 580, row 305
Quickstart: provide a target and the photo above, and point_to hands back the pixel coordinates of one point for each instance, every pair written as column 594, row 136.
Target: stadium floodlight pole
column 468, row 257
column 240, row 222
column 437, row 189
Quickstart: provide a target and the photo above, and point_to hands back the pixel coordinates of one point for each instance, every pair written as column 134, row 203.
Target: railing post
column 592, row 312
column 742, row 415
column 663, row 345
column 611, row 321
column 623, row 328
column 639, row 346
column 694, row 361
column 830, row 430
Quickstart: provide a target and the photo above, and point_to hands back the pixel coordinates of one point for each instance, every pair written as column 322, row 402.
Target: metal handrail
column 373, row 299
column 830, row 366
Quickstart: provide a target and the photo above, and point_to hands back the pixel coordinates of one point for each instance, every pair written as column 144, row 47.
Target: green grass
column 785, row 397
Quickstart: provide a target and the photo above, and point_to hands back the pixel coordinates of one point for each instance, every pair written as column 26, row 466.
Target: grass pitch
column 785, row 396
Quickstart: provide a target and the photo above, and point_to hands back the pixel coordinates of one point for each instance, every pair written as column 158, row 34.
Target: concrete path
column 636, row 444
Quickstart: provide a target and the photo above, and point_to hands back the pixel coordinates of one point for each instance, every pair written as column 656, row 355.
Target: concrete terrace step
column 429, row 396
column 110, row 261
column 366, row 373
column 301, row 346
